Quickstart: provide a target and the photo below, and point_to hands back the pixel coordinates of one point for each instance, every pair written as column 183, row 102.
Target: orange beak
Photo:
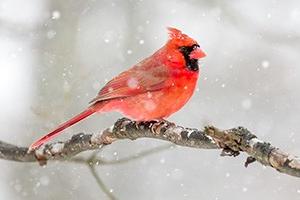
column 197, row 54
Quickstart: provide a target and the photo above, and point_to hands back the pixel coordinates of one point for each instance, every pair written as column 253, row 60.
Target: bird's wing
column 137, row 80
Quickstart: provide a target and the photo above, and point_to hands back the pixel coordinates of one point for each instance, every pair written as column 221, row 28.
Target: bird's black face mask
column 191, row 64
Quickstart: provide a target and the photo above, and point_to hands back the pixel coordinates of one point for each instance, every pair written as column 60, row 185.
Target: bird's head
column 184, row 49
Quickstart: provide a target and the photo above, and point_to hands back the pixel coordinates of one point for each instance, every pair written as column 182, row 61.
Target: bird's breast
column 156, row 104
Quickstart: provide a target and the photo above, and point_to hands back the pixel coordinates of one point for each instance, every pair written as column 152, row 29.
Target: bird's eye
column 186, row 50
column 195, row 46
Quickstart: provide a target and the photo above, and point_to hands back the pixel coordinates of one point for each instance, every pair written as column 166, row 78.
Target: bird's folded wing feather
column 137, row 80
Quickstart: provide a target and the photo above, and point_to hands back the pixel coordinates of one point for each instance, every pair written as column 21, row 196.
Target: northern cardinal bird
column 152, row 89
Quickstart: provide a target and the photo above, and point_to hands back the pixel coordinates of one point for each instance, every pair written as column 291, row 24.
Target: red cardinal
column 152, row 89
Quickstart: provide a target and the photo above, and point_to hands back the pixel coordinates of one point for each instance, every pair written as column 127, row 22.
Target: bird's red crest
column 179, row 38
column 175, row 33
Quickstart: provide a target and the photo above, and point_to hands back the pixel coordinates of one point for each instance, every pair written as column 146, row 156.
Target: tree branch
column 232, row 142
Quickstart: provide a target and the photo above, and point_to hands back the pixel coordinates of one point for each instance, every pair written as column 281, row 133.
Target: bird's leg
column 159, row 124
column 141, row 124
column 150, row 123
column 155, row 125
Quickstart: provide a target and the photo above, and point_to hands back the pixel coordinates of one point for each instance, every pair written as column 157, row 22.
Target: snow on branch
column 232, row 142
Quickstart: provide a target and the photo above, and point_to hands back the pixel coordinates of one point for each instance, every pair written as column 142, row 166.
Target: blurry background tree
column 55, row 56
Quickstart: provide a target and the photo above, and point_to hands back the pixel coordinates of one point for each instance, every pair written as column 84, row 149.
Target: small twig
column 100, row 183
column 93, row 161
column 90, row 162
column 138, row 156
column 102, row 161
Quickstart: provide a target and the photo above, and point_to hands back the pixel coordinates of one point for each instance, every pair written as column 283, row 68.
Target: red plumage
column 152, row 89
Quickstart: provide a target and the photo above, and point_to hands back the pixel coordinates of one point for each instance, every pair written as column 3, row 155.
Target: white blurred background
column 56, row 55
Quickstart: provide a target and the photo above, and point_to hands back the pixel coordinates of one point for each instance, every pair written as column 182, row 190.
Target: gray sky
column 56, row 55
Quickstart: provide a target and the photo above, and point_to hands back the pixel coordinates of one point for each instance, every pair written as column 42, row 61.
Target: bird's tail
column 89, row 111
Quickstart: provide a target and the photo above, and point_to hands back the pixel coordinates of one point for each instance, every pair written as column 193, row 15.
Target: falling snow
column 55, row 57
column 149, row 105
column 141, row 42
column 51, row 34
column 162, row 160
column 149, row 95
column 132, row 83
column 246, row 104
column 227, row 175
column 55, row 14
column 265, row 64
